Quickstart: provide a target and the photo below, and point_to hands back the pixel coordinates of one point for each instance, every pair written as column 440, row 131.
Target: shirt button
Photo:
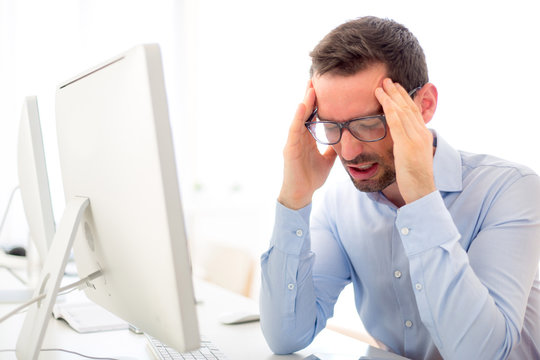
column 290, row 286
column 397, row 274
column 408, row 323
column 405, row 231
column 418, row 286
column 299, row 232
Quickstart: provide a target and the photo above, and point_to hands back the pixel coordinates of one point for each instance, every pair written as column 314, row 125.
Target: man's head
column 357, row 44
column 347, row 66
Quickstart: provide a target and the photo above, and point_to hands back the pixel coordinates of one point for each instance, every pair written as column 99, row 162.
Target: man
column 442, row 246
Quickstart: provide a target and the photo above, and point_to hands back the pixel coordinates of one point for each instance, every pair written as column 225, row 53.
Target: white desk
column 238, row 342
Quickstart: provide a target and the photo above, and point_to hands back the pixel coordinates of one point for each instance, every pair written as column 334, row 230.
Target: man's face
column 340, row 98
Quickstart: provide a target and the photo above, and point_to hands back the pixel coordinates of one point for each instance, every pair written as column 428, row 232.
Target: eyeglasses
column 367, row 128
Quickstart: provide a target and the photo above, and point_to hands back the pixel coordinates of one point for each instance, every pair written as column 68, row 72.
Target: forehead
column 342, row 97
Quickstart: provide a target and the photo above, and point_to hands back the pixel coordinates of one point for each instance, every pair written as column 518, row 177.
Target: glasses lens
column 368, row 129
column 326, row 133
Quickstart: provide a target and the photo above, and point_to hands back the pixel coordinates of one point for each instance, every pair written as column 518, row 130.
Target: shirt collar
column 447, row 167
column 446, row 170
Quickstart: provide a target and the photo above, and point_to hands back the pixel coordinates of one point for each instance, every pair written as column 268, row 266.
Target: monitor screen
column 116, row 149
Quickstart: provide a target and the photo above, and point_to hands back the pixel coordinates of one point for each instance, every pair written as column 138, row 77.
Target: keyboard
column 207, row 351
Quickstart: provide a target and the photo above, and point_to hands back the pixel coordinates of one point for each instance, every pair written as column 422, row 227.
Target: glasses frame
column 346, row 124
column 343, row 125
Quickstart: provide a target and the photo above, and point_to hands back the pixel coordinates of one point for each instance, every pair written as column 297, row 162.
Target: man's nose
column 349, row 146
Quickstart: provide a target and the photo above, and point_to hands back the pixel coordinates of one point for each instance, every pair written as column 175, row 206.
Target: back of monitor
column 116, row 149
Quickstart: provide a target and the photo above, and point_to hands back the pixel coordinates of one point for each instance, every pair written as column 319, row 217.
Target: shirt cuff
column 291, row 229
column 425, row 223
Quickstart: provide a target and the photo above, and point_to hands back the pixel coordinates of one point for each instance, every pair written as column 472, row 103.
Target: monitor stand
column 39, row 314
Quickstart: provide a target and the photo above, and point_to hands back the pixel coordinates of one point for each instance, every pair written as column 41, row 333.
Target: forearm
column 472, row 302
column 288, row 301
column 287, row 304
column 458, row 310
column 298, row 291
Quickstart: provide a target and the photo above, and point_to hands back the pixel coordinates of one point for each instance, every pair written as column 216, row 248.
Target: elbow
column 281, row 342
column 281, row 347
column 498, row 342
column 505, row 339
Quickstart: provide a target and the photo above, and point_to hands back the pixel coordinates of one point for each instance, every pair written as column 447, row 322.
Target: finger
column 409, row 102
column 309, row 100
column 309, row 85
column 412, row 112
column 389, row 107
column 399, row 106
column 401, row 124
column 401, row 98
column 399, row 95
column 309, row 104
column 303, row 111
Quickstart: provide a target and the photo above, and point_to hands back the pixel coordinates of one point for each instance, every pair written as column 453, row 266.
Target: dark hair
column 357, row 44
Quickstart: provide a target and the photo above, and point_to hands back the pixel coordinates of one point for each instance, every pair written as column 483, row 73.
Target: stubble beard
column 387, row 172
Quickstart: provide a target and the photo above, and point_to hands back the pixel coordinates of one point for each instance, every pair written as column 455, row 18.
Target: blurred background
column 235, row 72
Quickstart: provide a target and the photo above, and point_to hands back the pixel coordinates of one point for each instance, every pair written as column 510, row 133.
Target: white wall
column 235, row 71
column 252, row 70
column 43, row 43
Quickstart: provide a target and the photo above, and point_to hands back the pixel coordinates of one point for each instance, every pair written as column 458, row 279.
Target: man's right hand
column 305, row 168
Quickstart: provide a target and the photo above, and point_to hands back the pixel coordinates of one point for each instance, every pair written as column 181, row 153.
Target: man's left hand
column 413, row 142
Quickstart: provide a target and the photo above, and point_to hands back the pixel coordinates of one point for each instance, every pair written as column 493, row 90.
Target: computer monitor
column 33, row 178
column 36, row 199
column 123, row 213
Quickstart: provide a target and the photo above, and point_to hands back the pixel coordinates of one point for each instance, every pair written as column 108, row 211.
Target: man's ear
column 426, row 99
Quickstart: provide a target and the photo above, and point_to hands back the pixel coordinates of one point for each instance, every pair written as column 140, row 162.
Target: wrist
column 419, row 193
column 294, row 203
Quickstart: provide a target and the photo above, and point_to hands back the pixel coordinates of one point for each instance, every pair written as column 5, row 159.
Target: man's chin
column 373, row 185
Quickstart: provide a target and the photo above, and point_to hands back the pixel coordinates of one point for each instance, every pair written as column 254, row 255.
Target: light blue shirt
column 453, row 275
